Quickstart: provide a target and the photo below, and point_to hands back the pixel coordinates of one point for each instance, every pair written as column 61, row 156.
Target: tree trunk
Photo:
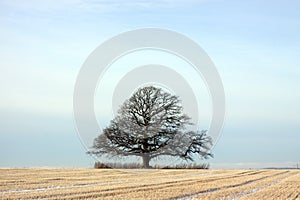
column 146, row 160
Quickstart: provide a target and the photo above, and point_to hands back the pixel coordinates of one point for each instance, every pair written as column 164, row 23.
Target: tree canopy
column 151, row 123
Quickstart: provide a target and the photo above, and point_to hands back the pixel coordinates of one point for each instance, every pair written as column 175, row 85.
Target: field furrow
column 288, row 188
column 146, row 184
column 248, row 188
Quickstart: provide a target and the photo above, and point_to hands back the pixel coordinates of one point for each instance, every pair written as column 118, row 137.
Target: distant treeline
column 100, row 165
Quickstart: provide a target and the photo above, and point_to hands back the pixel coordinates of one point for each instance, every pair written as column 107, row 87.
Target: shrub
column 100, row 165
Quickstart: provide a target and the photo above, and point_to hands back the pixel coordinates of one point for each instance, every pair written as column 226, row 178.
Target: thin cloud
column 91, row 5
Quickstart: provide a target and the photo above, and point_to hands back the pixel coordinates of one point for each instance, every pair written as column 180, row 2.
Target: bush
column 188, row 166
column 100, row 165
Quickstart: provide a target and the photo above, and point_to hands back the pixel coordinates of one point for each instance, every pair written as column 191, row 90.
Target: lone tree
column 151, row 124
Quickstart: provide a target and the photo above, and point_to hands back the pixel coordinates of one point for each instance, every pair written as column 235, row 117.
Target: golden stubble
column 49, row 183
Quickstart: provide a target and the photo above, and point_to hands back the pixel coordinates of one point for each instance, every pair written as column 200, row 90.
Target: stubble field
column 148, row 184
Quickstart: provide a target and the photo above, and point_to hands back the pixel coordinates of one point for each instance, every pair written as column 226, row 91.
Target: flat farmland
column 44, row 183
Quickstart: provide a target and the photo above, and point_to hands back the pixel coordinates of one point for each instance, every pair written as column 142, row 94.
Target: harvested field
column 148, row 184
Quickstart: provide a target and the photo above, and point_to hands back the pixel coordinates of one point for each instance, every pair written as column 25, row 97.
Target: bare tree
column 151, row 124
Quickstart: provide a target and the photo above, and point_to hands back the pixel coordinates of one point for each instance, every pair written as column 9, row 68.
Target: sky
column 255, row 46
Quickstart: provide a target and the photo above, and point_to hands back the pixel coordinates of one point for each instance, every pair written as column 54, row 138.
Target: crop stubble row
column 153, row 184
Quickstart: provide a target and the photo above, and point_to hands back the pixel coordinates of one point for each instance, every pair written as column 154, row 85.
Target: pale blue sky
column 255, row 45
